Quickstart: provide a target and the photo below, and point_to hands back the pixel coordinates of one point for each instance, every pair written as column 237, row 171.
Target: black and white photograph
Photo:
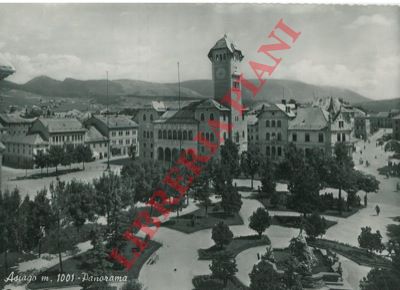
column 199, row 146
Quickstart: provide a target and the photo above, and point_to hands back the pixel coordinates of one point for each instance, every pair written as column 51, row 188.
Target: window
column 164, row 134
column 279, row 137
column 338, row 137
column 179, row 135
column 151, row 117
column 273, row 136
column 279, row 123
column 307, row 137
column 207, row 136
column 320, row 137
column 273, row 123
column 211, row 116
column 279, row 151
column 190, row 135
column 343, row 137
column 267, row 123
column 202, row 117
column 341, row 124
column 144, row 117
column 169, row 134
column 243, row 135
column 174, row 136
column 294, row 137
column 159, row 134
column 273, row 151
column 267, row 151
column 144, row 134
column 267, row 137
column 127, row 133
column 185, row 135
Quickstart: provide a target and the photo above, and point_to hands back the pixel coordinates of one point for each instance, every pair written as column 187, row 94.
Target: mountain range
column 274, row 90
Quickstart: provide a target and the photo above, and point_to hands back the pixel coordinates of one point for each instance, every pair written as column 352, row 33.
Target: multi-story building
column 14, row 124
column 362, row 127
column 396, row 127
column 97, row 143
column 145, row 117
column 58, row 132
column 120, row 130
column 272, row 129
column 21, row 149
column 380, row 120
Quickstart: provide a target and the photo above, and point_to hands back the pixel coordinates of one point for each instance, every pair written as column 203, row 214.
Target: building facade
column 14, row 124
column 59, row 132
column 121, row 131
column 96, row 142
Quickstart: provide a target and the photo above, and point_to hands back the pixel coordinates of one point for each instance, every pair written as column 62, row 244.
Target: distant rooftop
column 115, row 122
column 14, row 119
column 24, row 139
column 55, row 125
column 309, row 118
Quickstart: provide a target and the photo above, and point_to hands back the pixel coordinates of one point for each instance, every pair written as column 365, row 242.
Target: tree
column 83, row 154
column 250, row 162
column 259, row 221
column 203, row 194
column 221, row 234
column 382, row 279
column 41, row 217
column 370, row 241
column 292, row 163
column 40, row 160
column 367, row 183
column 79, row 198
column 231, row 200
column 56, row 154
column 230, row 159
column 57, row 206
column 264, row 277
column 267, row 175
column 315, row 225
column 304, row 187
column 223, row 267
column 340, row 170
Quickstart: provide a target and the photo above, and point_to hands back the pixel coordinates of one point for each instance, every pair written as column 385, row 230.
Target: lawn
column 294, row 221
column 76, row 265
column 238, row 244
column 197, row 220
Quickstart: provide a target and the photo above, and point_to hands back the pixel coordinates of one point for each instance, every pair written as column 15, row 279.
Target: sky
column 354, row 47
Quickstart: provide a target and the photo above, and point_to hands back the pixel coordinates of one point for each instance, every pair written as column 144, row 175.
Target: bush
column 207, row 283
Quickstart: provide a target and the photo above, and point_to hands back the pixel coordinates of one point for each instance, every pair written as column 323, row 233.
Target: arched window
column 169, row 134
column 164, row 134
column 175, row 154
column 202, row 117
column 179, row 135
column 160, row 154
column 211, row 116
column 144, row 117
column 184, row 135
column 267, row 137
column 174, row 136
column 167, row 154
column 267, row 123
column 190, row 135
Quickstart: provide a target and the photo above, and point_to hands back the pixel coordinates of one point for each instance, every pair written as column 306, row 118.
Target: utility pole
column 108, row 130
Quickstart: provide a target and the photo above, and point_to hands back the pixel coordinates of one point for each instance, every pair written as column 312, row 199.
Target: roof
column 309, row 118
column 15, row 119
column 55, row 125
column 187, row 113
column 226, row 42
column 276, row 107
column 114, row 122
column 396, row 117
column 382, row 115
column 93, row 135
column 24, row 139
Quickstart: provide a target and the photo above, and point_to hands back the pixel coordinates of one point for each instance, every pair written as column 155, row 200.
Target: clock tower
column 225, row 58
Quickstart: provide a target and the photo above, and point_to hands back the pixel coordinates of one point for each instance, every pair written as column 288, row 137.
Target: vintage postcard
column 199, row 146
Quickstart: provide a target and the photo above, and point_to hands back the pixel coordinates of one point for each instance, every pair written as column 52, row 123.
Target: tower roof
column 226, row 42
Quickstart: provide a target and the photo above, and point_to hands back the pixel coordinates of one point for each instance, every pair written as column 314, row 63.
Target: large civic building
column 165, row 132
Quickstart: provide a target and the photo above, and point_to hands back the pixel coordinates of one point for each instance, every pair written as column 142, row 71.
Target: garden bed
column 50, row 174
column 358, row 255
column 207, row 282
column 238, row 244
column 294, row 221
column 197, row 220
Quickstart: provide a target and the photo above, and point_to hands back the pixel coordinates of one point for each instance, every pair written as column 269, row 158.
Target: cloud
column 375, row 19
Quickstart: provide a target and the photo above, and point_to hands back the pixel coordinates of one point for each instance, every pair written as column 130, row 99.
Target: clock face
column 220, row 73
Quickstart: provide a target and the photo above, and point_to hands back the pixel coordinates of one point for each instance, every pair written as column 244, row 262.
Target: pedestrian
column 365, row 200
column 377, row 209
